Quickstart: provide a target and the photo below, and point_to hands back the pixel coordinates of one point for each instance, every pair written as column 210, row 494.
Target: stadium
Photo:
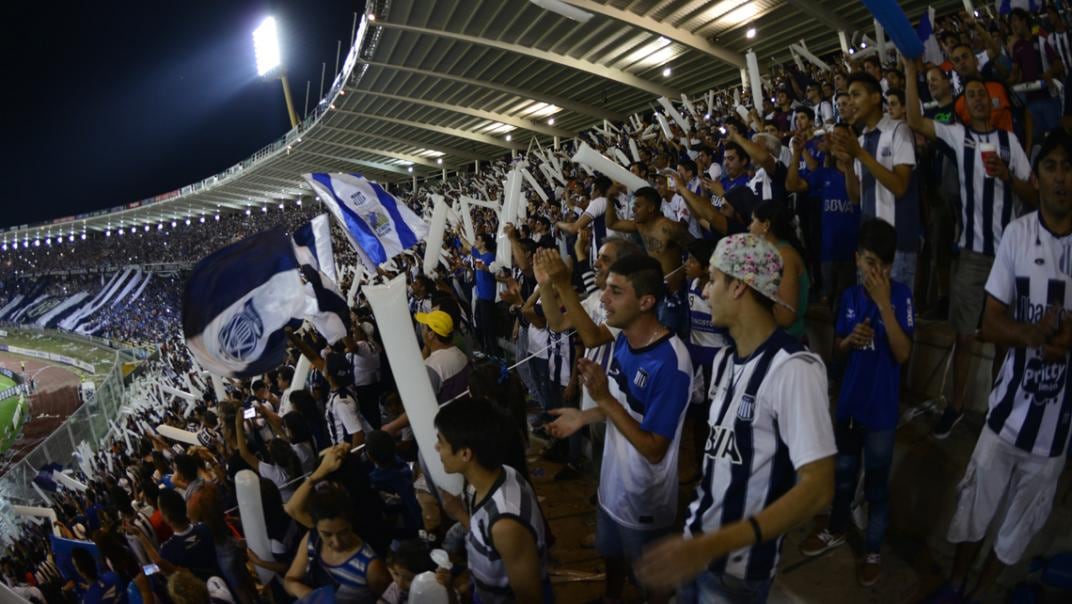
column 571, row 300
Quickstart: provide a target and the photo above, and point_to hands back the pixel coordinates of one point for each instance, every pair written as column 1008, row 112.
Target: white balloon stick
column 69, row 482
column 535, row 185
column 179, row 393
column 126, row 438
column 38, row 512
column 435, row 235
column 843, row 40
column 622, row 158
column 688, row 105
column 467, row 220
column 755, row 80
column 665, row 126
column 803, row 51
column 588, row 157
column 480, row 202
column 251, row 512
column 391, row 309
column 672, row 111
column 880, row 36
column 633, row 149
column 177, row 434
column 218, row 388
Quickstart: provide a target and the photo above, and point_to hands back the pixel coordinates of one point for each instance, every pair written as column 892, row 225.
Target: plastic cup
column 986, row 151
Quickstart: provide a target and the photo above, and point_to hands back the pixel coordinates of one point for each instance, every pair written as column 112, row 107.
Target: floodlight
column 266, row 46
column 751, row 33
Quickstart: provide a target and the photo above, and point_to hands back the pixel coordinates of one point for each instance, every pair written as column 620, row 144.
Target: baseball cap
column 339, row 367
column 753, row 260
column 437, row 320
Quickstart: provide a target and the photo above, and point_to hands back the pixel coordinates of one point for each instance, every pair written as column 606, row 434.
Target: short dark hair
column 601, row 183
column 644, row 273
column 186, row 466
column 489, row 241
column 412, row 555
column 701, row 250
column 1019, row 13
column 643, row 166
column 965, row 80
column 870, row 61
column 739, row 150
column 380, row 447
column 285, row 372
column 1058, row 137
column 688, row 164
column 897, row 92
column 649, row 194
column 624, row 247
column 867, row 80
column 257, row 385
column 806, row 111
column 478, row 425
column 878, row 237
column 172, row 505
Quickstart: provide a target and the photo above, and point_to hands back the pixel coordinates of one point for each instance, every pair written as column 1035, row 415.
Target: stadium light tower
column 270, row 62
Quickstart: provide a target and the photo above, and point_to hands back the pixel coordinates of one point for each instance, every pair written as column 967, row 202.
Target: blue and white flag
column 312, row 245
column 1005, row 6
column 932, row 52
column 379, row 226
column 239, row 300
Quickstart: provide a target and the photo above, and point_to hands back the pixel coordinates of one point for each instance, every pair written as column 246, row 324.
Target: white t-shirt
column 278, row 477
column 366, row 363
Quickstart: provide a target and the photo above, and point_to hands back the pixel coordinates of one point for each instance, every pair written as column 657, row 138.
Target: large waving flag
column 239, row 300
column 379, row 226
column 1005, row 6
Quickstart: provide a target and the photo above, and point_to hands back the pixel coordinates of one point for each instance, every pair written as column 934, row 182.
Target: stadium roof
column 434, row 85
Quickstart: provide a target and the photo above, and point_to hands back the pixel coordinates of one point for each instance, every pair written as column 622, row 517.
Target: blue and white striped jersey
column 987, row 204
column 1030, row 406
column 769, row 416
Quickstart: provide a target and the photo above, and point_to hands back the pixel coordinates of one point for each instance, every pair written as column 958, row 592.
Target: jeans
column 485, row 326
column 709, row 588
column 541, row 378
column 524, row 370
column 1045, row 116
column 876, row 447
column 904, row 269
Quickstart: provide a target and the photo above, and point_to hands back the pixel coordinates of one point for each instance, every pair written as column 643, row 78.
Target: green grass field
column 101, row 357
column 5, row 382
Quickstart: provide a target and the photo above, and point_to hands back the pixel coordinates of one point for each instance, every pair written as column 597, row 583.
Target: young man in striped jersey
column 507, row 537
column 642, row 398
column 1023, row 446
column 769, row 459
column 988, row 184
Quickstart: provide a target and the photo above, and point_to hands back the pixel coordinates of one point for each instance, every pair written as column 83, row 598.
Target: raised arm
column 331, row 461
column 615, row 223
column 916, row 121
column 557, row 275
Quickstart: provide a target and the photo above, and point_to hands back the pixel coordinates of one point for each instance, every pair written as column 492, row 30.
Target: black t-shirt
column 193, row 550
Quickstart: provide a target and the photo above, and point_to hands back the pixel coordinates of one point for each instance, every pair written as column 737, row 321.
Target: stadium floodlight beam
column 270, row 60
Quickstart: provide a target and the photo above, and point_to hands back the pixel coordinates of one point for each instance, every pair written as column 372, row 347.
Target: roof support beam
column 517, row 122
column 359, row 162
column 451, row 151
column 680, row 36
column 415, row 159
column 552, row 99
column 823, row 15
column 602, row 71
column 455, row 132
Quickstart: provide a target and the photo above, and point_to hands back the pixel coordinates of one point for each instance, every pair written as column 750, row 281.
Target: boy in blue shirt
column 874, row 328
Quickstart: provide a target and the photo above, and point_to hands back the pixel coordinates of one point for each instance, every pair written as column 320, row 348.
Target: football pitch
column 99, row 356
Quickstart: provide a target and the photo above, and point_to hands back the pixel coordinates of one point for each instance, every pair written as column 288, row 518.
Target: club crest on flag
column 239, row 336
column 379, row 222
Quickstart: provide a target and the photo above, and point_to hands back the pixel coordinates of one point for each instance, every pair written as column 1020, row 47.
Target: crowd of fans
column 654, row 327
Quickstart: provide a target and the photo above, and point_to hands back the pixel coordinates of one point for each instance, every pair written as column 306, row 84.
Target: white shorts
column 998, row 470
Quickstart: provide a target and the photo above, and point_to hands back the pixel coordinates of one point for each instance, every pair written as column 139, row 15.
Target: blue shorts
column 616, row 541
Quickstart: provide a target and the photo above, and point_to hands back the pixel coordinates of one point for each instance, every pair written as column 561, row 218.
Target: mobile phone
column 150, row 569
column 250, row 413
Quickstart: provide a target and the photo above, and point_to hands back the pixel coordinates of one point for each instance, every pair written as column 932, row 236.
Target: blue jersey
column 194, row 550
column 653, row 384
column 871, row 389
column 840, row 217
column 485, row 281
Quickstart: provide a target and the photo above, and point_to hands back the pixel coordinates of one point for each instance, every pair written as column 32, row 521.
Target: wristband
column 756, row 529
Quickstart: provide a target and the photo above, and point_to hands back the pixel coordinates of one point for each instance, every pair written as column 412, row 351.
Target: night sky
column 111, row 102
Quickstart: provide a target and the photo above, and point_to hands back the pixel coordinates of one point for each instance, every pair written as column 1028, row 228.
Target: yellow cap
column 437, row 320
